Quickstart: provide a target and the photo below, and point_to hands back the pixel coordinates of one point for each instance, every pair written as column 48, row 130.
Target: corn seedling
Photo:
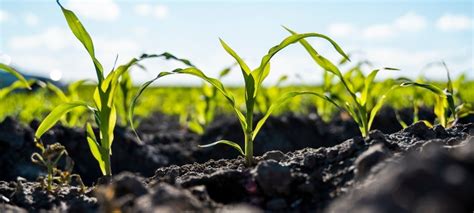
column 357, row 105
column 49, row 158
column 264, row 101
column 205, row 111
column 445, row 109
column 334, row 90
column 104, row 108
column 21, row 83
column 414, row 97
column 253, row 80
column 124, row 96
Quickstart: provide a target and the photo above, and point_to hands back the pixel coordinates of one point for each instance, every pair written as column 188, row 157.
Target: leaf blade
column 55, row 115
column 226, row 142
column 15, row 73
column 285, row 97
column 95, row 148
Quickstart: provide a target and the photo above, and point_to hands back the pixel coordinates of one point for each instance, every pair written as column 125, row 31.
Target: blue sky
column 403, row 34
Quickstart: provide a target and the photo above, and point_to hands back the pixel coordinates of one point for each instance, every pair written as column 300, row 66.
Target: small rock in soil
column 167, row 198
column 273, row 178
column 420, row 130
column 274, row 155
column 440, row 131
column 370, row 158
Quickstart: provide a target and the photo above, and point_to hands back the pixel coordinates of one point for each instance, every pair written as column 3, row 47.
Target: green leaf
column 57, row 91
column 196, row 127
column 321, row 61
column 15, row 85
column 436, row 90
column 350, row 109
column 226, row 71
column 245, row 68
column 325, row 63
column 379, row 105
column 263, row 70
column 167, row 56
column 112, row 121
column 226, row 142
column 440, row 110
column 281, row 101
column 56, row 115
column 96, row 149
column 220, row 87
column 400, row 120
column 135, row 99
column 280, row 80
column 111, row 83
column 368, row 81
column 83, row 36
column 246, row 72
column 74, row 86
column 464, row 110
column 15, row 73
column 450, row 92
column 113, row 78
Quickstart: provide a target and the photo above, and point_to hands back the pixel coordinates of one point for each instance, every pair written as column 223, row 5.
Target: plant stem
column 248, row 132
column 248, row 148
column 108, row 168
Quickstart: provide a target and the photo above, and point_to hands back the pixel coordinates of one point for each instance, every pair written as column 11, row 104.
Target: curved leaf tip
column 226, row 142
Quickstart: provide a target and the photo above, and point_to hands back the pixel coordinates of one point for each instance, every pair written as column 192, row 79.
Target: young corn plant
column 104, row 108
column 14, row 86
column 204, row 112
column 445, row 109
column 414, row 97
column 21, row 83
column 264, row 102
column 334, row 90
column 253, row 80
column 358, row 104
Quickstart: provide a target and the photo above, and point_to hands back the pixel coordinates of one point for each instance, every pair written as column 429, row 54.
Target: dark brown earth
column 166, row 143
column 414, row 170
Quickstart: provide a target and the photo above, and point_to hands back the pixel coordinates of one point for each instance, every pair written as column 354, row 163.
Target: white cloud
column 142, row 9
column 454, row 22
column 102, row 10
column 4, row 16
column 53, row 38
column 58, row 39
column 157, row 11
column 160, row 11
column 341, row 29
column 381, row 31
column 389, row 56
column 410, row 22
column 31, row 19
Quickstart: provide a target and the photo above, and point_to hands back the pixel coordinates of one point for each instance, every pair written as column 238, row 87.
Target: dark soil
column 414, row 170
column 165, row 143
